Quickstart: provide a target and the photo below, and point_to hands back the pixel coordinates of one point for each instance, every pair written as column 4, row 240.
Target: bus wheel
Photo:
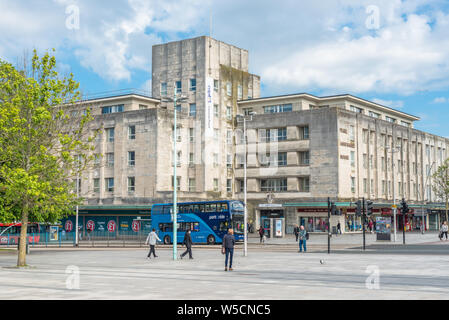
column 167, row 240
column 210, row 239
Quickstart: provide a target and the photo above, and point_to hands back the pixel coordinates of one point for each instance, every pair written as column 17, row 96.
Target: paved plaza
column 269, row 272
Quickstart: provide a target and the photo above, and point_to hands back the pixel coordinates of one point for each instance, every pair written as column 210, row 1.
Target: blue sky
column 389, row 51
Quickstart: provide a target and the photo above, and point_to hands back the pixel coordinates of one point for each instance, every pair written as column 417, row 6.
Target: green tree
column 440, row 184
column 44, row 146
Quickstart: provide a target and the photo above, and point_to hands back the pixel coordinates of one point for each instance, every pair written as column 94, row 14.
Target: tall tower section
column 213, row 76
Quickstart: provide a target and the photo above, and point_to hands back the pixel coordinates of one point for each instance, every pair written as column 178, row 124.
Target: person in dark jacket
column 188, row 243
column 228, row 247
column 296, row 232
column 261, row 232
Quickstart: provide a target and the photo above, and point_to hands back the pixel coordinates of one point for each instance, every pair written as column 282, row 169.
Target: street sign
column 111, row 226
column 68, row 226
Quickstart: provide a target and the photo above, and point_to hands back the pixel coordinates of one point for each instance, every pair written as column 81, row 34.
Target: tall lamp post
column 242, row 118
column 425, row 188
column 393, row 150
column 175, row 101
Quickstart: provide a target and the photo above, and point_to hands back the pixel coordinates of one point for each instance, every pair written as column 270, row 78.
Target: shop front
column 313, row 219
column 272, row 220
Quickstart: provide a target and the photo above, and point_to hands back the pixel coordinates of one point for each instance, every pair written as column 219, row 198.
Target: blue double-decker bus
column 208, row 221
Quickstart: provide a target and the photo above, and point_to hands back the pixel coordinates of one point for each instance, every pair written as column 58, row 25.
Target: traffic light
column 369, row 207
column 333, row 209
column 358, row 210
column 405, row 208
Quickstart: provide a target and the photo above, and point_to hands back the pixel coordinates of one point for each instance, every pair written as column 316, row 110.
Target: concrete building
column 301, row 149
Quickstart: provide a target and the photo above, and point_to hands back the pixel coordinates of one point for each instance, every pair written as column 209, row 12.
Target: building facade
column 300, row 149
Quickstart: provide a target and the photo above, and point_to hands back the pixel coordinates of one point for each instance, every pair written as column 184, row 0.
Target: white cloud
column 389, row 103
column 402, row 58
column 440, row 100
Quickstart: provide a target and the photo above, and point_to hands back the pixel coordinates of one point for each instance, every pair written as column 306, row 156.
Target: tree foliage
column 440, row 184
column 43, row 147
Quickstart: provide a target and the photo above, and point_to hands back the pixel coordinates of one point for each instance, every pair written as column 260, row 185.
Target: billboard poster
column 54, row 233
column 383, row 228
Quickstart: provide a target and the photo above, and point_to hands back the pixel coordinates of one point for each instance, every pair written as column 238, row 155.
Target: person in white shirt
column 151, row 240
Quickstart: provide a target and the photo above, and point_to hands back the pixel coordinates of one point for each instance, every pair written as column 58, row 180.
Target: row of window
column 193, row 87
column 378, row 116
column 387, row 186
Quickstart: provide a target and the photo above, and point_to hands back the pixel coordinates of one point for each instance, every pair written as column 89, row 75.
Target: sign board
column 383, row 228
column 90, row 225
column 136, row 226
column 112, row 226
column 270, row 205
column 278, row 228
column 68, row 226
column 54, row 233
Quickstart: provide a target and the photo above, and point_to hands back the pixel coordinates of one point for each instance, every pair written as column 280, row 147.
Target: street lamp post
column 245, row 215
column 393, row 150
column 175, row 100
column 422, row 206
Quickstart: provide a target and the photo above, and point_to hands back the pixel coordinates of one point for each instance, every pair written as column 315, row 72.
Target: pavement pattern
column 268, row 273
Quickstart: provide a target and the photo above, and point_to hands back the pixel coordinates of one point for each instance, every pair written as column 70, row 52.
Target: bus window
column 196, row 227
column 157, row 210
column 224, row 226
column 167, row 209
column 166, row 227
column 223, row 207
column 201, row 206
column 212, row 207
column 196, row 208
column 189, row 208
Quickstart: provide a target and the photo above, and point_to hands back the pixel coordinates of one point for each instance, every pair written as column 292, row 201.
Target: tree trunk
column 21, row 260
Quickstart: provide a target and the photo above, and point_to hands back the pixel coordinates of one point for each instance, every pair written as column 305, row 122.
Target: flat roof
column 317, row 99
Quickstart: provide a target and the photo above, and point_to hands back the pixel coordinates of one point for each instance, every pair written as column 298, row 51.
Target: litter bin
column 27, row 247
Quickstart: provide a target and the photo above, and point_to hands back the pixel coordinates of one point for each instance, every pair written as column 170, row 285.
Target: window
column 365, row 136
column 356, row 109
column 143, row 106
column 384, row 187
column 229, row 113
column 77, row 183
column 192, row 111
column 191, row 159
column 131, row 158
column 374, row 115
column 240, row 92
column 229, row 161
column 132, row 132
column 389, row 119
column 192, row 84
column 178, row 133
column 216, row 85
column 304, row 133
column 229, row 185
column 215, row 185
column 274, row 134
column 365, row 185
column 109, row 184
column 365, row 161
column 229, row 89
column 97, row 159
column 353, row 184
column 179, row 108
column 382, row 160
column 164, row 89
column 110, row 159
column 229, row 136
column 191, row 134
column 131, row 184
column 279, row 159
column 240, row 158
column 248, row 111
column 352, row 158
column 216, row 110
column 304, row 158
column 96, row 185
column 352, row 133
column 178, row 158
column 178, row 87
column 405, row 124
column 278, row 108
column 110, row 133
column 371, row 162
column 113, row 109
column 192, row 185
column 178, row 184
column 273, row 185
column 304, row 184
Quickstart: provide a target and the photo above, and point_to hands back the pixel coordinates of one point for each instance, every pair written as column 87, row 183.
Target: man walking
column 188, row 243
column 261, row 233
column 338, row 228
column 228, row 248
column 443, row 230
column 296, row 232
column 302, row 239
column 151, row 240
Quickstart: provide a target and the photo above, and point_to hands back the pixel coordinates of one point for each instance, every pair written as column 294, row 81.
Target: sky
column 392, row 52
